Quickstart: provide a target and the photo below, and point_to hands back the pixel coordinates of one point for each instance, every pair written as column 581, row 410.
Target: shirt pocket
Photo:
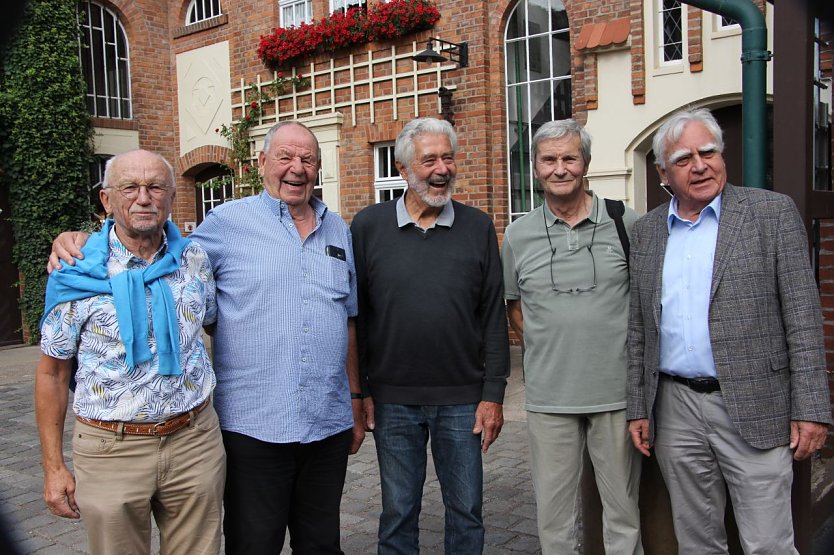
column 329, row 275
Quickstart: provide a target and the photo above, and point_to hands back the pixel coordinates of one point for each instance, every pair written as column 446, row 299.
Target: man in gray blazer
column 726, row 372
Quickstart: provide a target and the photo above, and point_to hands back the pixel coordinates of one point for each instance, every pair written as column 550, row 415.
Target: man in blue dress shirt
column 726, row 376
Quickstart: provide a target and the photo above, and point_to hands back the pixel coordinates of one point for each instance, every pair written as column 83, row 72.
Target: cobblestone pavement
column 509, row 508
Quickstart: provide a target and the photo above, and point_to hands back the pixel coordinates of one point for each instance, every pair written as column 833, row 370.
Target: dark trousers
column 274, row 486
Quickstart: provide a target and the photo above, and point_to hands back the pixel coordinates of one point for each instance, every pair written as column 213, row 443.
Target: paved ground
column 509, row 509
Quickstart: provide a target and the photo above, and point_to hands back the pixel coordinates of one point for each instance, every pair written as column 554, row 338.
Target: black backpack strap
column 616, row 209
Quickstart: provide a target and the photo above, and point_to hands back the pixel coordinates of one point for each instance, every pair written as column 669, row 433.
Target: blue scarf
column 89, row 277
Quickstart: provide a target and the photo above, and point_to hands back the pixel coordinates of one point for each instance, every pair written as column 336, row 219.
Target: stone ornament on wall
column 203, row 94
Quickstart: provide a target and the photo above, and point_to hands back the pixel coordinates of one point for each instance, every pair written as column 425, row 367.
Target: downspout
column 754, row 58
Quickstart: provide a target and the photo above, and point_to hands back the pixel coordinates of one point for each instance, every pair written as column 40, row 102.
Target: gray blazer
column 765, row 319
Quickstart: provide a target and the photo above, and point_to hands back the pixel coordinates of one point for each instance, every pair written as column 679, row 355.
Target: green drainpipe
column 754, row 58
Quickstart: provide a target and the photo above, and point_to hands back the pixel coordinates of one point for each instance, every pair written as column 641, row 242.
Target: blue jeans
column 401, row 434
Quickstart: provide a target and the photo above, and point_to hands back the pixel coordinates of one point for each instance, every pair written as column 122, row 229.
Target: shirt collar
column 713, row 208
column 446, row 217
column 124, row 256
column 280, row 208
column 593, row 216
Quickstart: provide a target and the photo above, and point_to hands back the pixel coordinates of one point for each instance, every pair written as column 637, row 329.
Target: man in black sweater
column 433, row 343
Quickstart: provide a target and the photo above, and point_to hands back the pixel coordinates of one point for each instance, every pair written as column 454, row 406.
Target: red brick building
column 165, row 75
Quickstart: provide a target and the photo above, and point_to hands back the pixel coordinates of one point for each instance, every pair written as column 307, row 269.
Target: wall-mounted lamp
column 458, row 53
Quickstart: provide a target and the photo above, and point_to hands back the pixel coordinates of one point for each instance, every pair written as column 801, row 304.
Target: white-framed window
column 388, row 184
column 723, row 26
column 295, row 12
column 201, row 10
column 211, row 195
column 105, row 61
column 538, row 81
column 343, row 5
column 670, row 31
column 725, row 22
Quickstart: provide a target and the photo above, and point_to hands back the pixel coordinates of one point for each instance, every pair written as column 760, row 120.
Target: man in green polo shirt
column 566, row 285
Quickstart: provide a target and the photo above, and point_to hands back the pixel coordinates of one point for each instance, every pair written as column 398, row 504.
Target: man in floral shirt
column 146, row 437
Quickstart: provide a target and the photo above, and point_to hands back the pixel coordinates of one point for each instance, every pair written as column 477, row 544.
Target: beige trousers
column 557, row 442
column 178, row 478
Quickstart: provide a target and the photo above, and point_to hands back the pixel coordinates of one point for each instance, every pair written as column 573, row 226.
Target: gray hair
column 562, row 128
column 274, row 129
column 108, row 166
column 672, row 129
column 404, row 148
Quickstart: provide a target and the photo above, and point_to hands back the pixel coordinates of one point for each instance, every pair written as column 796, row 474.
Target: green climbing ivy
column 45, row 140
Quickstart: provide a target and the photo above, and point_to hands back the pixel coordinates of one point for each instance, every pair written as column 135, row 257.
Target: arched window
column 200, row 10
column 213, row 188
column 105, row 61
column 537, row 49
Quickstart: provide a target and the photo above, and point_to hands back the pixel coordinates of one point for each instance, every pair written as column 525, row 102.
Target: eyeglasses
column 131, row 192
column 553, row 254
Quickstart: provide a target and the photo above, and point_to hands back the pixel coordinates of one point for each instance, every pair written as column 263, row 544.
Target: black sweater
column 432, row 328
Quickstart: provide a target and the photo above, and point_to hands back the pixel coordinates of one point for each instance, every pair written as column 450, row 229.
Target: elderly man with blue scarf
column 146, row 437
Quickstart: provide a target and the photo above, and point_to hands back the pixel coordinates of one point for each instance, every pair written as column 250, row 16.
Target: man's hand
column 639, row 432
column 59, row 493
column 358, row 426
column 807, row 438
column 489, row 419
column 65, row 247
column 368, row 413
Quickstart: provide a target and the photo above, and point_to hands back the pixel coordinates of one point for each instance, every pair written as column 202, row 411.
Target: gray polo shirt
column 575, row 342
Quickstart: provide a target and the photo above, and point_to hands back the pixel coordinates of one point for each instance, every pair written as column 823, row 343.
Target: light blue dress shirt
column 283, row 305
column 685, row 348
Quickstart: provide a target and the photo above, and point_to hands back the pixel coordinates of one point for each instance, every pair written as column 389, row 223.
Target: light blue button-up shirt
column 283, row 305
column 685, row 348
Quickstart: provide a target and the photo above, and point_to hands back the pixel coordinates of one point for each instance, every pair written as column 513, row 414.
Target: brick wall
column 157, row 34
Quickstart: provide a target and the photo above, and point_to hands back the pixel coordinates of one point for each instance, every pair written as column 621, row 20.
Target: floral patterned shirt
column 107, row 388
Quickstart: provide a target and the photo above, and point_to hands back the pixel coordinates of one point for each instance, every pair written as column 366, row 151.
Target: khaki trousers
column 178, row 478
column 557, row 442
column 699, row 450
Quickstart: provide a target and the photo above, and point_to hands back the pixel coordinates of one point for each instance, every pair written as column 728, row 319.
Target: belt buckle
column 701, row 385
column 157, row 426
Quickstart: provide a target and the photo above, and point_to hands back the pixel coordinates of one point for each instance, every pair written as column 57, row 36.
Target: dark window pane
column 558, row 15
column 516, row 27
column 561, row 55
column 562, row 99
column 541, row 106
column 95, row 16
column 109, row 28
column 517, row 62
column 539, row 55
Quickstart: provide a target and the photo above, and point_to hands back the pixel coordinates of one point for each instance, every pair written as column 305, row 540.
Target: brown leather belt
column 159, row 429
